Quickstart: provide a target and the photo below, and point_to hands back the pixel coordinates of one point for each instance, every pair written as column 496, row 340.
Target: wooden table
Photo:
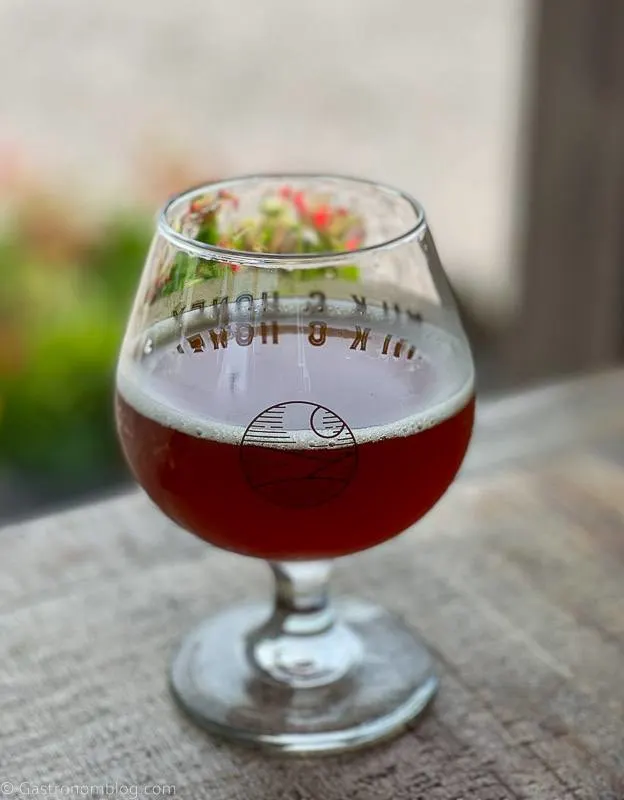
column 516, row 580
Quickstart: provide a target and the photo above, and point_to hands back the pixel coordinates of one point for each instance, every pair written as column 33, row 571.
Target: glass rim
column 252, row 258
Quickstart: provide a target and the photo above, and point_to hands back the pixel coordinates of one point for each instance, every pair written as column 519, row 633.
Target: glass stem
column 302, row 596
column 302, row 644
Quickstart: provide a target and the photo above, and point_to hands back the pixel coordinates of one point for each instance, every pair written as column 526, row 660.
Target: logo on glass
column 298, row 454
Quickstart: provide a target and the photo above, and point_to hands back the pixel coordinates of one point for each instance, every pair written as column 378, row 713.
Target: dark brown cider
column 289, row 449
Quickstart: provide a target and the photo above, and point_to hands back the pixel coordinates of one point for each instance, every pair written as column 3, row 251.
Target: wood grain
column 515, row 580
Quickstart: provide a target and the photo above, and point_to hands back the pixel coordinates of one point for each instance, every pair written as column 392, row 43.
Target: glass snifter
column 295, row 385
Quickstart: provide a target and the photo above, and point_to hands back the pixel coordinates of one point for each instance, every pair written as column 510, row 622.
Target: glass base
column 390, row 680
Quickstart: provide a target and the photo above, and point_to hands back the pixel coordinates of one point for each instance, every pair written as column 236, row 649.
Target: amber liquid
column 349, row 446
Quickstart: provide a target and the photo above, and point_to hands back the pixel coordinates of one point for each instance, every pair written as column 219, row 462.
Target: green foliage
column 118, row 256
column 288, row 222
column 208, row 231
column 62, row 321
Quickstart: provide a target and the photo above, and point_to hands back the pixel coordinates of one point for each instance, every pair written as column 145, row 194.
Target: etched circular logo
column 298, row 454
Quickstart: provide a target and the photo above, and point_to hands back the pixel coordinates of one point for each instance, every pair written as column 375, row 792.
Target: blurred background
column 504, row 117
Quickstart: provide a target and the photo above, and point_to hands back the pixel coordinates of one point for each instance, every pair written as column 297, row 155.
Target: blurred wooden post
column 572, row 258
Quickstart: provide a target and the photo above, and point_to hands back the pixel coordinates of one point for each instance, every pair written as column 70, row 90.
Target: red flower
column 234, row 267
column 285, row 192
column 223, row 194
column 300, row 202
column 322, row 216
column 353, row 243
